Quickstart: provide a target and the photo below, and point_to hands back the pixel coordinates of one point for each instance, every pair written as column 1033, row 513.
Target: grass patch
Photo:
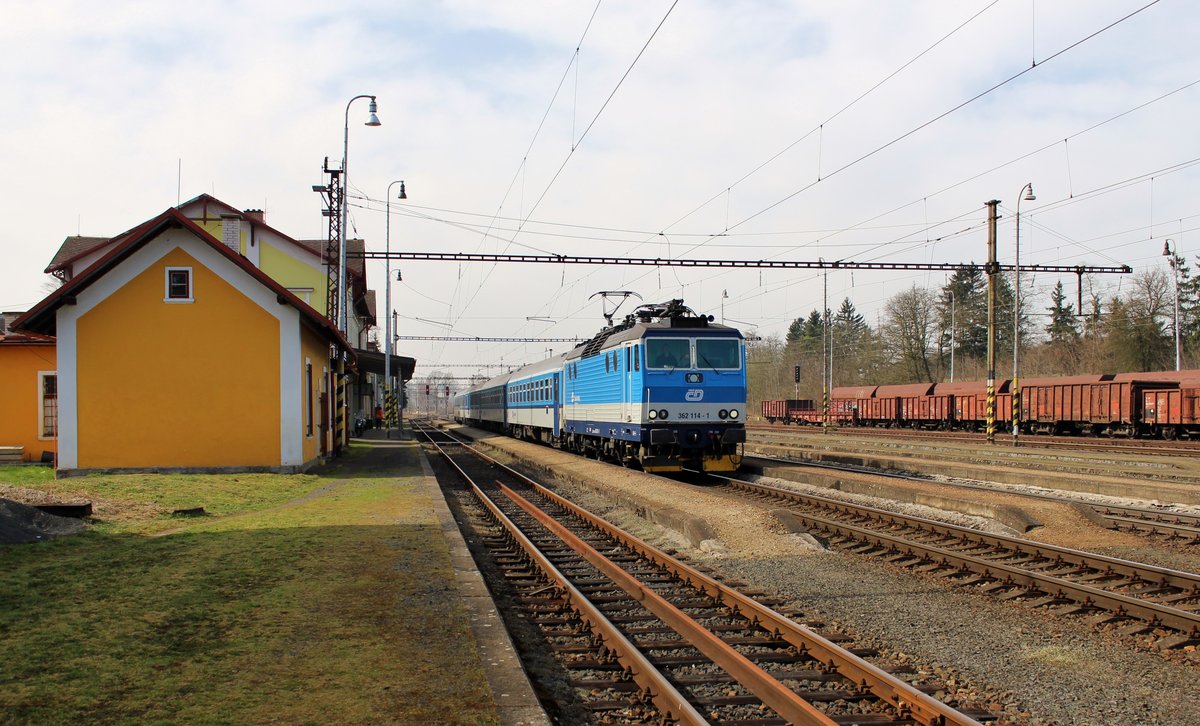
column 1066, row 659
column 338, row 606
column 25, row 475
column 143, row 503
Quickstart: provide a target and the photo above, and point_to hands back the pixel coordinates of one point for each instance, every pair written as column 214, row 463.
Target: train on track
column 664, row 390
column 1149, row 404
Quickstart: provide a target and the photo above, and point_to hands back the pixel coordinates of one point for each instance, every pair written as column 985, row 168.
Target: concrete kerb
column 516, row 702
column 1093, row 484
column 1008, row 515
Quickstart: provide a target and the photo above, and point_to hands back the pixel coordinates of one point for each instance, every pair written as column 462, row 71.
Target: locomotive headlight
column 652, row 414
column 722, row 413
column 662, row 413
column 733, row 413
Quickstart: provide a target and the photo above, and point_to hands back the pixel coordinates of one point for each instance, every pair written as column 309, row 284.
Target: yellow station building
column 175, row 351
column 28, row 394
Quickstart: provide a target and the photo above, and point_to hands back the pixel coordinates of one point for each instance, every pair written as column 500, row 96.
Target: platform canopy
column 371, row 361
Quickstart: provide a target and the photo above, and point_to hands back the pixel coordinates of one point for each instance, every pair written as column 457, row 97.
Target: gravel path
column 1036, row 668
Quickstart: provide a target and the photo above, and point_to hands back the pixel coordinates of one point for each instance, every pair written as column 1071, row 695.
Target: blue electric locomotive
column 665, row 389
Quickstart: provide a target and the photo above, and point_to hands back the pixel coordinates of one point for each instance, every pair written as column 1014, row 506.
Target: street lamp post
column 1026, row 193
column 372, row 120
column 1172, row 254
column 387, row 276
column 724, row 297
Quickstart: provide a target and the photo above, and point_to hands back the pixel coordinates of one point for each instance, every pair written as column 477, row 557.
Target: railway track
column 1174, row 527
column 1141, row 599
column 1147, row 447
column 647, row 637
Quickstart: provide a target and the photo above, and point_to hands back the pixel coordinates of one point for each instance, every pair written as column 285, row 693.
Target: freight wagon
column 1165, row 404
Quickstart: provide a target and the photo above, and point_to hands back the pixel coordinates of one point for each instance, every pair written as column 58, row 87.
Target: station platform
column 515, row 701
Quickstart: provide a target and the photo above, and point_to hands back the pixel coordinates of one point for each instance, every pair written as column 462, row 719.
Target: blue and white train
column 665, row 390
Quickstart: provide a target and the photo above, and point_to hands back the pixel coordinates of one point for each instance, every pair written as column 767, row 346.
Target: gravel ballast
column 1030, row 665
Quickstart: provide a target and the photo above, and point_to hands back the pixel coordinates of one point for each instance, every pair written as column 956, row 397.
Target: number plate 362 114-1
column 696, row 415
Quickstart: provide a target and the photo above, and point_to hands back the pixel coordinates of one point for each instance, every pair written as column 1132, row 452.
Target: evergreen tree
column 963, row 302
column 813, row 328
column 852, row 342
column 1189, row 311
column 1063, row 328
column 795, row 330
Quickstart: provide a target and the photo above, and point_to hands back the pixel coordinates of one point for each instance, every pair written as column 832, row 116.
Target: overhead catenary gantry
column 745, row 264
column 477, row 339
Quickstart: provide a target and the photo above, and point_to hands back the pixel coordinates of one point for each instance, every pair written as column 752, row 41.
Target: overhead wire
column 577, row 143
column 933, row 120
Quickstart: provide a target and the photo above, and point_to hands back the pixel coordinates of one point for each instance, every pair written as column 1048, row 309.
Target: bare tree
column 908, row 332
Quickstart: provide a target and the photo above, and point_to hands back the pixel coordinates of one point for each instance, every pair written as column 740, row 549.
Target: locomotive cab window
column 718, row 353
column 668, row 353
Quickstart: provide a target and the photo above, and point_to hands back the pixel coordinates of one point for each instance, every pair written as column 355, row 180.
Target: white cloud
column 102, row 101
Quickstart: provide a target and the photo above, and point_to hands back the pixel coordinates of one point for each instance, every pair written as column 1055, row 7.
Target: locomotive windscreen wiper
column 708, row 363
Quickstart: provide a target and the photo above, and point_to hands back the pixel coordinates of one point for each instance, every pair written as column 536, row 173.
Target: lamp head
column 372, row 119
column 402, row 195
column 1166, row 248
column 1029, row 195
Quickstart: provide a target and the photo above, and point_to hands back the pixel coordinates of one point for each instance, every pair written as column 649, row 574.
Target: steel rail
column 1174, row 524
column 909, row 701
column 669, row 701
column 1143, row 526
column 786, row 702
column 1087, row 595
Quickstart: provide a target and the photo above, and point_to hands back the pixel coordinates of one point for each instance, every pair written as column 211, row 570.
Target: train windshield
column 718, row 353
column 668, row 353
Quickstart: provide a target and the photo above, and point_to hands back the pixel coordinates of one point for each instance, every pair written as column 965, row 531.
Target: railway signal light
column 447, row 391
column 427, row 389
column 796, row 374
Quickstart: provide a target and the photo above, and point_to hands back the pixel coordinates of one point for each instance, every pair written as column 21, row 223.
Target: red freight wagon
column 878, row 411
column 908, row 397
column 1058, row 405
column 968, row 407
column 1169, row 413
column 853, row 392
column 1191, row 375
column 782, row 409
column 1086, row 404
column 927, row 411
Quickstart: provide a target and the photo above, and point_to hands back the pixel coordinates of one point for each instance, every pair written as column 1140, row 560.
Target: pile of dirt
column 21, row 523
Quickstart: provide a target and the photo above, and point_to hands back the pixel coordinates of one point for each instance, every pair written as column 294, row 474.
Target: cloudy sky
column 862, row 131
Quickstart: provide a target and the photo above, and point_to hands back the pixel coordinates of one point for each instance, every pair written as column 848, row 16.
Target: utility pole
column 953, row 331
column 992, row 269
column 824, row 356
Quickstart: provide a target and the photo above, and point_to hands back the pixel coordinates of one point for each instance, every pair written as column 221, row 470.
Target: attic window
column 179, row 285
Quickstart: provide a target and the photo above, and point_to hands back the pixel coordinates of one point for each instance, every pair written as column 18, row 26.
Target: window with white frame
column 48, row 405
column 179, row 285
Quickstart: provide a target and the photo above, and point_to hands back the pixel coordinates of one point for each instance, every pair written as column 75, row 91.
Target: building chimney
column 256, row 215
column 231, row 232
